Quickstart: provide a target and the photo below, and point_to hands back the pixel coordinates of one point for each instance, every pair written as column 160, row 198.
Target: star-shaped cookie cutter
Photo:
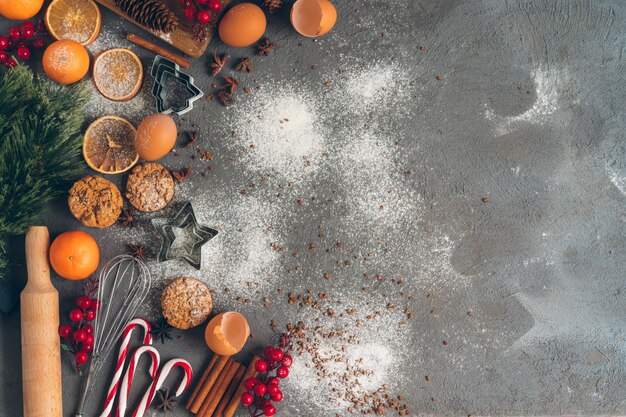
column 161, row 67
column 185, row 219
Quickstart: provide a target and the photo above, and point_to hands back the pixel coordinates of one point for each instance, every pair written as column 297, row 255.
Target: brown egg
column 242, row 25
column 156, row 136
column 313, row 17
column 226, row 333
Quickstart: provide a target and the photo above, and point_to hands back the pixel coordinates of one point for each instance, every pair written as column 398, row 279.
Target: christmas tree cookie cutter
column 182, row 237
column 164, row 69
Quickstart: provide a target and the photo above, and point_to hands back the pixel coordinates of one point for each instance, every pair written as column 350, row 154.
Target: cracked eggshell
column 227, row 333
column 313, row 17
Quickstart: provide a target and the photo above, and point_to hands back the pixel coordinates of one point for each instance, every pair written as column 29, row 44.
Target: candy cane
column 158, row 382
column 130, row 373
column 121, row 359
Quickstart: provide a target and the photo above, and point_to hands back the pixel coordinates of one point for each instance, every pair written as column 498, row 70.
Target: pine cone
column 151, row 13
column 272, row 5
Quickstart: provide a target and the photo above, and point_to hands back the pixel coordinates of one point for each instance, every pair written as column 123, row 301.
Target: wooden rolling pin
column 41, row 354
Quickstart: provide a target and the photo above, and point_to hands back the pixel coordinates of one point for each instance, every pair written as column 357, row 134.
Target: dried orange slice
column 118, row 74
column 109, row 145
column 78, row 20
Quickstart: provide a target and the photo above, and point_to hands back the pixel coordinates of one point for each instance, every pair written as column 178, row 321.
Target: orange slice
column 118, row 74
column 78, row 20
column 109, row 145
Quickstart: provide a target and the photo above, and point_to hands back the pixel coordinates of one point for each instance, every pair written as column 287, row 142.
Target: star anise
column 193, row 137
column 182, row 175
column 231, row 84
column 137, row 251
column 127, row 219
column 266, row 47
column 218, row 63
column 226, row 98
column 245, row 65
column 162, row 330
column 165, row 400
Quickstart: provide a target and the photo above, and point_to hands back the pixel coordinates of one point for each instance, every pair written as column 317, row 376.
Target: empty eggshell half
column 227, row 333
column 313, row 17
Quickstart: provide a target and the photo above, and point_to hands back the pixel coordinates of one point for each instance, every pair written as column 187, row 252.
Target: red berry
column 83, row 302
column 268, row 352
column 81, row 357
column 250, row 383
column 88, row 328
column 260, row 365
column 190, row 13
column 260, row 389
column 65, row 330
column 204, row 17
column 90, row 315
column 277, row 397
column 23, row 53
column 4, row 42
column 39, row 43
column 272, row 389
column 215, row 5
column 76, row 315
column 88, row 348
column 11, row 62
column 79, row 335
column 269, row 410
column 247, row 399
column 14, row 33
column 95, row 305
column 27, row 26
column 272, row 381
column 89, row 339
column 282, row 371
column 27, row 30
column 287, row 360
column 277, row 355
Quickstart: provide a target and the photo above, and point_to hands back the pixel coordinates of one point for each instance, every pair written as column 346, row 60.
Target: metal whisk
column 124, row 284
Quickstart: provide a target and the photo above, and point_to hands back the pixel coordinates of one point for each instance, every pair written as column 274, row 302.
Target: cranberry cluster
column 199, row 11
column 263, row 391
column 19, row 41
column 78, row 337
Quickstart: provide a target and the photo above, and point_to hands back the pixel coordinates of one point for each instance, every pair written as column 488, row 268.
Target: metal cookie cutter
column 176, row 246
column 162, row 68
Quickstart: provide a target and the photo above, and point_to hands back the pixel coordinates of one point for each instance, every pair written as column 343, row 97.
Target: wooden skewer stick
column 208, row 383
column 229, row 411
column 230, row 391
column 144, row 43
column 201, row 382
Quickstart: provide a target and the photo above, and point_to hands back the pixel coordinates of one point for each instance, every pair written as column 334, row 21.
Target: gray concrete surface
column 528, row 112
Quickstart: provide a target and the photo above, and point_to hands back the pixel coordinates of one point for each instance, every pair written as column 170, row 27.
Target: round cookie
column 95, row 201
column 150, row 187
column 186, row 303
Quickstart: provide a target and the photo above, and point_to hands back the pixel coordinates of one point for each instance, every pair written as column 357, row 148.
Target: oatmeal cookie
column 95, row 201
column 186, row 303
column 150, row 187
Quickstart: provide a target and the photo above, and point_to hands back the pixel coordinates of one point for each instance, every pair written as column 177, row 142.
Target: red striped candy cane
column 158, row 382
column 130, row 373
column 121, row 359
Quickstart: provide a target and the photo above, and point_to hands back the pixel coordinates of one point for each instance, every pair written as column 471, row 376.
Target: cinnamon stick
column 138, row 40
column 201, row 382
column 230, row 391
column 220, row 363
column 212, row 400
column 229, row 411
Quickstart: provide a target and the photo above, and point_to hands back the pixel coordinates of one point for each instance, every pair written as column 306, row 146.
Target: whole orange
column 65, row 61
column 20, row 9
column 74, row 255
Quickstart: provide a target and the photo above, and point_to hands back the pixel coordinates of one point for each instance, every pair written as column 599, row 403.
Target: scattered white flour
column 617, row 179
column 279, row 130
column 547, row 84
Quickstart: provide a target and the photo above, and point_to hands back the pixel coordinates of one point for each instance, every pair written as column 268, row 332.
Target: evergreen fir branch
column 40, row 134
